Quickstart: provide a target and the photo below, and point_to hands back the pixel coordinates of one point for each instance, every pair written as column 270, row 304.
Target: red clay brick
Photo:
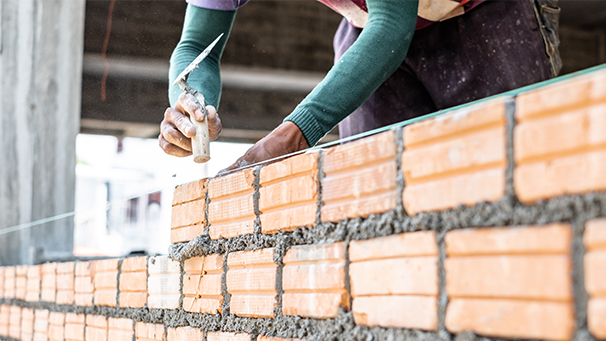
column 559, row 143
column 32, row 293
column 4, row 319
column 202, row 284
column 74, row 327
column 251, row 280
column 360, row 178
column 41, row 324
column 564, row 96
column 313, row 280
column 15, row 322
column 163, row 283
column 288, row 197
column 231, row 210
column 65, row 283
column 596, row 315
column 394, row 311
column 185, row 234
column 455, row 159
column 219, row 336
column 191, row 213
column 21, row 282
column 133, row 282
column 149, row 332
column 27, row 324
column 96, row 328
column 106, row 282
column 595, row 263
column 185, row 334
column 49, row 282
column 121, row 329
column 378, row 291
column 511, row 318
column 9, row 282
column 189, row 192
column 56, row 327
column 548, row 239
column 511, row 274
column 83, row 284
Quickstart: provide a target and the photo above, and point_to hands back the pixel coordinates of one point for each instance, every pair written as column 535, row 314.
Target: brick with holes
column 313, row 280
column 149, row 332
column 519, row 275
column 133, row 282
column 49, row 282
column 202, row 284
column 251, row 281
column 106, row 282
column 65, row 283
column 34, row 280
column 75, row 325
column 163, row 283
column 231, row 211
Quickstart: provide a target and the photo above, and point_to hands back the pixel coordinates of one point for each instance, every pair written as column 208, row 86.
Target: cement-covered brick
column 288, row 197
column 251, row 281
column 519, row 275
column 231, row 210
column 149, row 332
column 313, row 280
column 394, row 281
column 21, row 282
column 185, row 334
column 96, row 328
column 56, row 327
column 595, row 276
column 9, row 282
column 163, row 283
column 121, row 329
column 559, row 144
column 456, row 159
column 65, row 283
column 360, row 178
column 41, row 325
column 4, row 320
column 34, row 278
column 202, row 284
column 74, row 327
column 106, row 282
column 49, row 282
column 83, row 284
column 133, row 282
column 221, row 336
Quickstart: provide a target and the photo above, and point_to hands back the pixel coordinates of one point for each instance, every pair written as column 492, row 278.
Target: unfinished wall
column 485, row 223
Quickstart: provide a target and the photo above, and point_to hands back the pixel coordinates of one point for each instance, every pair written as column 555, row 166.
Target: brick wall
column 486, row 222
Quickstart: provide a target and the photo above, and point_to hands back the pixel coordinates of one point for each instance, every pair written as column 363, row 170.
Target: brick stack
column 488, row 220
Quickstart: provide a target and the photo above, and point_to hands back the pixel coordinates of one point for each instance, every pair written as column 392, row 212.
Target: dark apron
column 496, row 47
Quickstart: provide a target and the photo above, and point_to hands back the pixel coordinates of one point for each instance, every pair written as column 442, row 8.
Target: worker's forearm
column 200, row 28
column 379, row 51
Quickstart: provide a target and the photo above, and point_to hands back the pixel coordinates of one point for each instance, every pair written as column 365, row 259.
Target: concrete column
column 41, row 44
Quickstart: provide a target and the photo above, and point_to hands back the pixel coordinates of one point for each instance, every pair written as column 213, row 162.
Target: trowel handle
column 200, row 143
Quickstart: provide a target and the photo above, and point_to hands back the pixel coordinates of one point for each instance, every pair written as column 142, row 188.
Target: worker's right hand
column 176, row 130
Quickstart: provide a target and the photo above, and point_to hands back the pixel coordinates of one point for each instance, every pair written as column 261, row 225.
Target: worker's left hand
column 285, row 139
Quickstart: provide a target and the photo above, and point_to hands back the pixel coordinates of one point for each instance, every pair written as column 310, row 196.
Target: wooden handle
column 200, row 143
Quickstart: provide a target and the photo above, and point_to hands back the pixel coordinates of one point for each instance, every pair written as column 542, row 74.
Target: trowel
column 200, row 143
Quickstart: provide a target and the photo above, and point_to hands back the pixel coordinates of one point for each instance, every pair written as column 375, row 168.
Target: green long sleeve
column 201, row 27
column 379, row 51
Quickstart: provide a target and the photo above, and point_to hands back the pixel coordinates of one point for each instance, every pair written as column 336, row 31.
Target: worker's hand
column 176, row 130
column 285, row 139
